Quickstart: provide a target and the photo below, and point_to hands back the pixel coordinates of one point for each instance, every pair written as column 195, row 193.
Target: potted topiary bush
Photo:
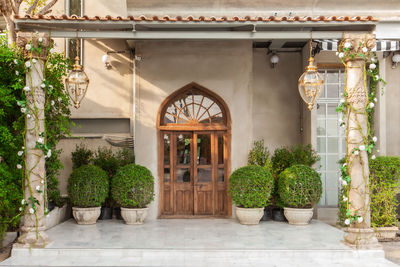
column 250, row 188
column 133, row 189
column 87, row 189
column 384, row 187
column 299, row 188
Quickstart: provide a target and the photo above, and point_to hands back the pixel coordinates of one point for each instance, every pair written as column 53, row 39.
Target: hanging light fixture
column 77, row 81
column 310, row 82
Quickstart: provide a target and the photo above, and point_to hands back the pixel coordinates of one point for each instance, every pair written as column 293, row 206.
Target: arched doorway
column 194, row 153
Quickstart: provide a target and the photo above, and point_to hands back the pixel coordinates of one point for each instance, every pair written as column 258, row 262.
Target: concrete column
column 359, row 234
column 33, row 234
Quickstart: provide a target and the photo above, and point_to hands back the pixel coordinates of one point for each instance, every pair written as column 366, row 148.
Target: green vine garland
column 346, row 216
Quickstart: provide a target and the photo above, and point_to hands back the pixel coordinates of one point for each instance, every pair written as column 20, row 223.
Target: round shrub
column 133, row 186
column 299, row 186
column 88, row 186
column 251, row 187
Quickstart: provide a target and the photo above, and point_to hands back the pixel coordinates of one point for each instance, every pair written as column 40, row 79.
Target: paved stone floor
column 200, row 242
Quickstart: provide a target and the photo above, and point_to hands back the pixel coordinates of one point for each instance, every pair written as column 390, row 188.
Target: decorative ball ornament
column 77, row 83
column 310, row 84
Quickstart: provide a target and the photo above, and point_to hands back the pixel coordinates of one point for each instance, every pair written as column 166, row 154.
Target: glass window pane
column 203, row 149
column 332, row 183
column 183, row 175
column 167, row 175
column 344, row 146
column 183, row 149
column 332, row 90
column 321, row 127
column 321, row 165
column 322, row 200
column 321, row 146
column 333, row 145
column 220, row 149
column 332, row 113
column 321, row 109
column 332, row 77
column 204, row 175
column 332, row 127
column 167, row 149
column 332, row 161
column 221, row 175
column 341, row 77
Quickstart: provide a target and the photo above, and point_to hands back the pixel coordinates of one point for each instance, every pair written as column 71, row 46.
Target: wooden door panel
column 183, row 202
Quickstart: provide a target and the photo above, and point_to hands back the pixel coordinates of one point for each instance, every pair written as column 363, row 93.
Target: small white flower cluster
column 28, row 47
column 48, row 155
column 359, row 220
column 40, row 140
column 344, row 182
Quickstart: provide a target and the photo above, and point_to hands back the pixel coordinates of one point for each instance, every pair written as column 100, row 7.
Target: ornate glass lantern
column 77, row 83
column 310, row 83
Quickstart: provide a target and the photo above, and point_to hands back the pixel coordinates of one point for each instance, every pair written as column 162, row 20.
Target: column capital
column 34, row 44
column 358, row 41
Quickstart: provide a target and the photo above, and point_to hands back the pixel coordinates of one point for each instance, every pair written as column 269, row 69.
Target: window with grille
column 331, row 141
column 74, row 47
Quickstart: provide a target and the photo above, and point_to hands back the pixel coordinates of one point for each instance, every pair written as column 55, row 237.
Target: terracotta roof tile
column 202, row 18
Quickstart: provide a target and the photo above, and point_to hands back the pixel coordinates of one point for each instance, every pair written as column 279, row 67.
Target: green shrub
column 81, row 156
column 125, row 156
column 106, row 160
column 251, row 187
column 259, row 155
column 299, row 186
column 133, row 186
column 384, row 187
column 88, row 186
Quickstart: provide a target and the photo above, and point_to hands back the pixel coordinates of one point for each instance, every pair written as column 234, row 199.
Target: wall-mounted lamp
column 274, row 59
column 395, row 60
column 106, row 58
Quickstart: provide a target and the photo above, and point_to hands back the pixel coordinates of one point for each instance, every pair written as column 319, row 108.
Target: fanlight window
column 194, row 107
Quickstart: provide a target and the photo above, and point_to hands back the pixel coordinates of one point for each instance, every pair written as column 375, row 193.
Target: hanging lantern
column 77, row 83
column 310, row 83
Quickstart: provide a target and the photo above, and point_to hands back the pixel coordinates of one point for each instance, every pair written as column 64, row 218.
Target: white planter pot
column 134, row 216
column 298, row 216
column 249, row 216
column 86, row 215
column 384, row 233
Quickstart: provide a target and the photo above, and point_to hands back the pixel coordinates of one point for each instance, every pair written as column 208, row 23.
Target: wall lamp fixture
column 106, row 58
column 395, row 60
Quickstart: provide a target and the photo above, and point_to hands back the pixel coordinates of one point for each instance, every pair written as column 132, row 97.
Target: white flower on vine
column 15, row 61
column 373, row 157
column 22, row 147
column 362, row 147
column 344, row 164
column 28, row 64
column 347, row 222
column 40, row 140
column 59, row 99
column 373, row 59
column 347, row 45
column 42, row 181
column 364, row 49
column 51, row 86
column 27, row 88
column 19, row 166
column 48, row 155
column 28, row 47
column 20, row 153
column 23, row 110
column 20, row 208
column 342, row 101
column 38, row 188
column 16, row 72
column 31, row 211
column 356, row 152
column 377, row 77
column 43, row 85
column 360, row 219
column 372, row 66
column 34, row 60
column 375, row 99
column 18, row 103
column 374, row 138
column 340, row 178
column 52, row 102
column 23, row 201
column 28, row 116
column 40, row 39
column 345, row 198
column 344, row 183
column 371, row 105
column 52, row 50
column 341, row 55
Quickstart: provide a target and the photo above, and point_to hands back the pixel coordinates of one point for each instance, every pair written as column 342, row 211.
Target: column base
column 361, row 238
column 32, row 237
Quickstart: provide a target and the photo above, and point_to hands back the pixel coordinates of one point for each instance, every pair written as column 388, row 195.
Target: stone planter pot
column 385, row 233
column 249, row 216
column 298, row 216
column 134, row 216
column 86, row 215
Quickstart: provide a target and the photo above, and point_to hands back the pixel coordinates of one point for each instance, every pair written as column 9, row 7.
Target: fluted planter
column 386, row 233
column 298, row 216
column 134, row 216
column 249, row 216
column 86, row 215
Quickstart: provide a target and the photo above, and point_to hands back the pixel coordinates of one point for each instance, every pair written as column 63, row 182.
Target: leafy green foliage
column 299, row 186
column 384, row 187
column 88, row 186
column 133, row 186
column 81, row 156
column 105, row 159
column 251, row 186
column 259, row 155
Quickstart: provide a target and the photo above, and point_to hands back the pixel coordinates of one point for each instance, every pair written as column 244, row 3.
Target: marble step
column 200, row 257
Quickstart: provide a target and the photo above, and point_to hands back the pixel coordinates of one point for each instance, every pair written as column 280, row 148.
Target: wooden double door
column 194, row 173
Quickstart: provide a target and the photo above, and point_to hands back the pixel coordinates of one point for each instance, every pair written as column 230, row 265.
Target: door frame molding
column 226, row 128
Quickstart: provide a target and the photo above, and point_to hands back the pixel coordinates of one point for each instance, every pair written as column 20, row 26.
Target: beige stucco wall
column 276, row 102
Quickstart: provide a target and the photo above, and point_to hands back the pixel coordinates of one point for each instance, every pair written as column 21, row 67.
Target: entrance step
column 170, row 257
